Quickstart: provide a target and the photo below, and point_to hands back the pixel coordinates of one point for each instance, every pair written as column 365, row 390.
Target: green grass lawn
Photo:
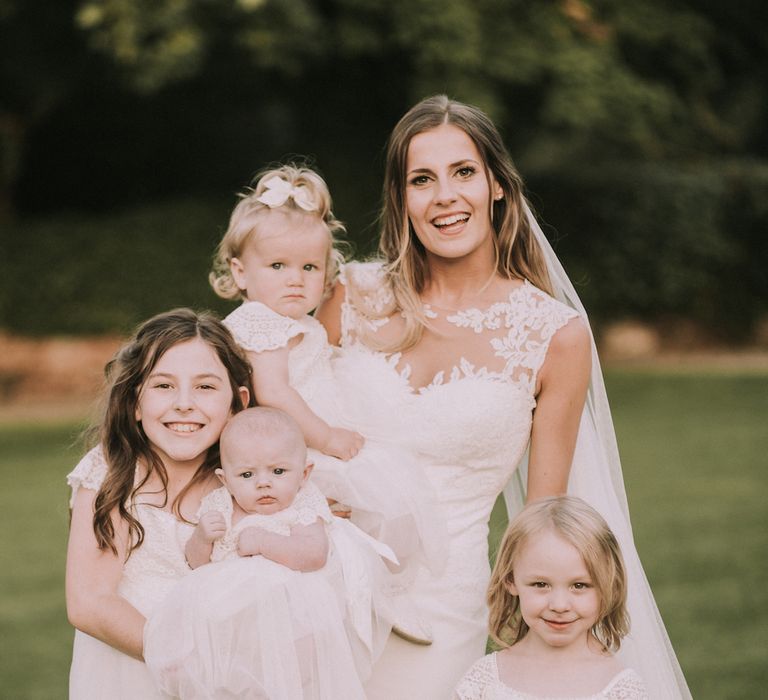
column 694, row 449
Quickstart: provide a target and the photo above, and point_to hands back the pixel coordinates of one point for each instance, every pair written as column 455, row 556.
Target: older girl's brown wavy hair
column 121, row 436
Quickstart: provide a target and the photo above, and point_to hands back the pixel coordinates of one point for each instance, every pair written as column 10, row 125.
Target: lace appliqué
column 369, row 297
column 257, row 328
column 533, row 318
column 308, row 506
column 480, row 677
column 482, row 682
column 88, row 474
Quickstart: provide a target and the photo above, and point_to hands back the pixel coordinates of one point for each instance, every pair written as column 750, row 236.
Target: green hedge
column 663, row 243
column 654, row 242
column 77, row 275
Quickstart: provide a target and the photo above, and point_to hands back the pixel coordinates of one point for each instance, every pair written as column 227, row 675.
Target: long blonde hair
column 584, row 528
column 518, row 256
column 250, row 214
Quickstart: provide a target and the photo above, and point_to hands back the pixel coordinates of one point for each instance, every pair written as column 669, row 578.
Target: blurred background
column 640, row 128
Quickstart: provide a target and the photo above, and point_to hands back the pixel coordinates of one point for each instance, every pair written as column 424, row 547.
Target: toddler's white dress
column 482, row 682
column 388, row 492
column 98, row 670
column 247, row 627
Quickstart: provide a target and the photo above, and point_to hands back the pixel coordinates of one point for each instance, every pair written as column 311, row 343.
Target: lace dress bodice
column 469, row 425
column 482, row 682
column 153, row 568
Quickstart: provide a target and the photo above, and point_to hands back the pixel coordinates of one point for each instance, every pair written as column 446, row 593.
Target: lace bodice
column 470, row 425
column 308, row 506
column 482, row 682
column 153, row 568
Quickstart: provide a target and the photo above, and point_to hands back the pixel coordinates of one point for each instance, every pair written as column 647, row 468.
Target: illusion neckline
column 475, row 309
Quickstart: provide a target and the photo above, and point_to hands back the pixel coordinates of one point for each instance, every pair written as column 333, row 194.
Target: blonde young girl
column 279, row 257
column 557, row 600
column 293, row 607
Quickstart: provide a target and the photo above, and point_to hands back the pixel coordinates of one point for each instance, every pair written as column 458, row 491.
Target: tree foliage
column 648, row 78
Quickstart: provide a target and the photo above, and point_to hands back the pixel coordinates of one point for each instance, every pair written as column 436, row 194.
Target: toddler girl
column 557, row 600
column 265, row 625
column 278, row 255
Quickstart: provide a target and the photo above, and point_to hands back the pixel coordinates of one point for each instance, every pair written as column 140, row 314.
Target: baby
column 294, row 607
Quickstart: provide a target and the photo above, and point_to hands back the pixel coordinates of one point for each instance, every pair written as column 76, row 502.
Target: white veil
column 596, row 477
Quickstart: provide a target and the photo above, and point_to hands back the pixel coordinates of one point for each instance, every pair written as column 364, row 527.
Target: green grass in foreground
column 694, row 449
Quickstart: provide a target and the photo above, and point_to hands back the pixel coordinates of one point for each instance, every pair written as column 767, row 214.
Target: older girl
column 172, row 388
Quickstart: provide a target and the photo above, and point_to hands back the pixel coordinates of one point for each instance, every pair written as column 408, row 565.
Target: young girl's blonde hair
column 583, row 527
column 305, row 193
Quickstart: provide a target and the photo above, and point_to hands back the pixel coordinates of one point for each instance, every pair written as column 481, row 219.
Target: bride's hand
column 342, row 443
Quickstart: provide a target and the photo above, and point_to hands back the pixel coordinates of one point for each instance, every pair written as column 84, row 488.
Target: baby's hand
column 342, row 443
column 249, row 541
column 211, row 527
column 340, row 510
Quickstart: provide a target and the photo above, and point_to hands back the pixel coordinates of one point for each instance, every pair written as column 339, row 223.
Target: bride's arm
column 92, row 578
column 563, row 381
column 329, row 313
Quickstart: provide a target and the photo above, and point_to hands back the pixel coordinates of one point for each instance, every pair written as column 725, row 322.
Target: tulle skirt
column 250, row 628
column 390, row 499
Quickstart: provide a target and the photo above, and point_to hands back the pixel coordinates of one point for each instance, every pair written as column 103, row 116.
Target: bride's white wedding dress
column 470, row 426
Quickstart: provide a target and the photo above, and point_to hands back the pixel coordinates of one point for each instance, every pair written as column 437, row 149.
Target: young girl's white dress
column 387, row 490
column 482, row 682
column 247, row 627
column 98, row 670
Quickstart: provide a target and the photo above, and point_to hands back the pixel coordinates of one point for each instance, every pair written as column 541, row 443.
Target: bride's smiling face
column 449, row 193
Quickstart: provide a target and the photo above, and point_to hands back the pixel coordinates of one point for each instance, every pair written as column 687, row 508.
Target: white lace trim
column 89, row 473
column 482, row 682
column 257, row 328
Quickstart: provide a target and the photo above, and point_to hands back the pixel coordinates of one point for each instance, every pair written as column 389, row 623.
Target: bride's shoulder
column 362, row 274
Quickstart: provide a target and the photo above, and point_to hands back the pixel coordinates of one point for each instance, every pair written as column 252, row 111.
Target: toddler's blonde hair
column 251, row 215
column 584, row 528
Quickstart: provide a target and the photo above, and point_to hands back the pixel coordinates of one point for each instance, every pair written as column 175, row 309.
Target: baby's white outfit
column 247, row 627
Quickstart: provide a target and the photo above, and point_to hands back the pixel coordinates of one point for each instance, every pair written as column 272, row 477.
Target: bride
column 476, row 350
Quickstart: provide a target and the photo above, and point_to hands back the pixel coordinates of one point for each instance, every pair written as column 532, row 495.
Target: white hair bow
column 277, row 192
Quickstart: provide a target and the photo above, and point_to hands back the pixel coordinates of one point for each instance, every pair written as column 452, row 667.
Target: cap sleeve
column 310, row 504
column 219, row 500
column 89, row 473
column 257, row 328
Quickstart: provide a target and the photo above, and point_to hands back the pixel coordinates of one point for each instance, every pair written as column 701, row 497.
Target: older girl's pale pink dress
column 469, row 428
column 152, row 570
